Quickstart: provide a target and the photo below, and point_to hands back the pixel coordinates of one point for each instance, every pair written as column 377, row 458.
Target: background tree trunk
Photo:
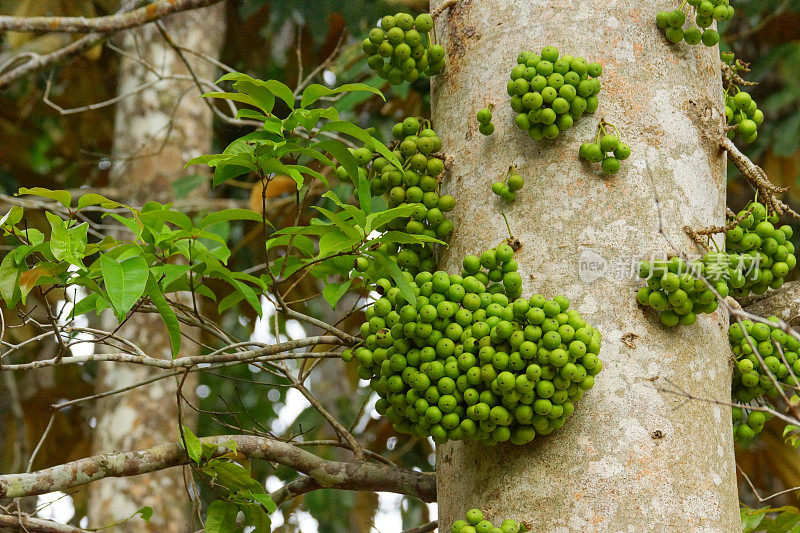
column 157, row 131
column 630, row 458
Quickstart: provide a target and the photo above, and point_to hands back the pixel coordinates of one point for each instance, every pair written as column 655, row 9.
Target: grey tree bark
column 157, row 131
column 631, row 458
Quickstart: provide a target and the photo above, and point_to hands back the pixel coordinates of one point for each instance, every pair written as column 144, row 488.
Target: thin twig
column 41, row 441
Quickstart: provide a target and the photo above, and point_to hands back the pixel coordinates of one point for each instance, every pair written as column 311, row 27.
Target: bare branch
column 182, row 362
column 329, row 474
column 32, row 524
column 38, row 62
column 296, row 488
column 109, row 24
column 352, row 443
column 755, row 492
column 424, row 528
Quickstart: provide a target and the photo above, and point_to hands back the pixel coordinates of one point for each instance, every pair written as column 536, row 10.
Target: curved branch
column 328, row 474
column 30, row 523
column 39, row 62
column 295, row 488
column 182, row 362
column 111, row 23
column 430, row 526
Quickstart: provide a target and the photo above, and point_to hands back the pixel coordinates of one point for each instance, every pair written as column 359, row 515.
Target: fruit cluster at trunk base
column 476, row 523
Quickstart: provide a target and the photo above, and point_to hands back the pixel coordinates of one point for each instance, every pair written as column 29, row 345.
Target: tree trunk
column 145, row 166
column 631, row 458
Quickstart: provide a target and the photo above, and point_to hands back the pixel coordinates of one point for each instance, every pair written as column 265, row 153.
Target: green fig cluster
column 759, row 255
column 400, row 49
column 607, row 149
column 742, row 112
column 753, row 383
column 476, row 523
column 748, row 423
column 678, row 290
column 416, row 185
column 485, row 126
column 508, row 188
column 706, row 13
column 762, row 247
column 470, row 359
column 549, row 92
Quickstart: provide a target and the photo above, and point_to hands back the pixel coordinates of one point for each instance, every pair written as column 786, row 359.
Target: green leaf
column 378, row 220
column 320, row 228
column 271, row 165
column 259, row 93
column 85, row 305
column 42, row 274
column 226, row 215
column 154, row 220
column 236, row 97
column 398, row 277
column 355, row 213
column 315, row 91
column 256, row 518
column 310, row 172
column 134, row 226
column 281, row 91
column 221, row 517
column 67, row 244
column 237, row 159
column 300, row 242
column 252, row 114
column 401, row 237
column 241, row 290
column 341, row 222
column 364, row 194
column 63, row 197
column 333, row 292
column 125, row 281
column 194, row 448
column 9, row 280
column 146, row 513
column 167, row 315
column 335, row 242
column 13, row 216
column 231, row 475
column 166, row 274
column 265, row 500
column 342, row 155
column 274, row 86
column 348, row 128
column 96, row 199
